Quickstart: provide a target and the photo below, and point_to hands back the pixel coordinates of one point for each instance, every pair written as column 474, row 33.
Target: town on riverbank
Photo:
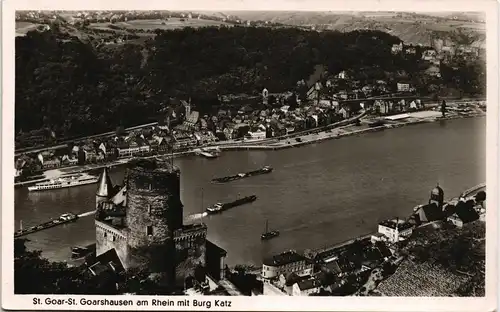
column 365, row 121
column 95, row 94
column 425, row 242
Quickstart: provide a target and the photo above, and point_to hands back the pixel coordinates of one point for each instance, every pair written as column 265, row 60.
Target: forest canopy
column 76, row 88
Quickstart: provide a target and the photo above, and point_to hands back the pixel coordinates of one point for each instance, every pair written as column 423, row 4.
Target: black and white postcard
column 249, row 155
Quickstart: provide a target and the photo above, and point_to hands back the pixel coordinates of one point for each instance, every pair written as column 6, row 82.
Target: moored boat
column 64, row 182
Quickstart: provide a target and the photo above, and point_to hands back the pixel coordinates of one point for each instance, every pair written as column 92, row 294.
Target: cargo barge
column 220, row 207
column 263, row 170
column 65, row 218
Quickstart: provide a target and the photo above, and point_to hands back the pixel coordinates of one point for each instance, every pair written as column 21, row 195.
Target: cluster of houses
column 184, row 128
column 441, row 50
column 293, row 274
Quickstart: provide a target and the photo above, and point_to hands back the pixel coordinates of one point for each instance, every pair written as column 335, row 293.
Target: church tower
column 437, row 197
column 187, row 106
column 104, row 189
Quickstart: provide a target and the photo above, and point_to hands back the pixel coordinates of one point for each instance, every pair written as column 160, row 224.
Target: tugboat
column 267, row 235
column 220, row 207
column 263, row 170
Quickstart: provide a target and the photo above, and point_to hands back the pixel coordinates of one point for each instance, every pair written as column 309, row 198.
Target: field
column 172, row 23
column 411, row 28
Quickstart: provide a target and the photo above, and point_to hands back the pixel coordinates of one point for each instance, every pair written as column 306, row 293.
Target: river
column 317, row 196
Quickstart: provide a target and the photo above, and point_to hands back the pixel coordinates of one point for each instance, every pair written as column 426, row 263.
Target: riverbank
column 344, row 129
column 341, row 132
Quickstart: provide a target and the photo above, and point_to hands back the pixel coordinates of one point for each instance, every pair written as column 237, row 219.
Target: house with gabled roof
column 306, row 287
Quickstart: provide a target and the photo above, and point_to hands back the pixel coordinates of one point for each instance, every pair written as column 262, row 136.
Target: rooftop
column 284, row 258
column 219, row 250
column 309, row 284
column 429, row 213
column 400, row 224
column 152, row 164
column 190, row 228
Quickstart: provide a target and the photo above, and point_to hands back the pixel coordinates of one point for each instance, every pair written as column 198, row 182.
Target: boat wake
column 196, row 216
column 86, row 214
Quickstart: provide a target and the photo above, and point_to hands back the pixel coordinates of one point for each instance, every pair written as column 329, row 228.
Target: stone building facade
column 143, row 222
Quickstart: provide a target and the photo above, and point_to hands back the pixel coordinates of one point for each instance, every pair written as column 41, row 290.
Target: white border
column 260, row 303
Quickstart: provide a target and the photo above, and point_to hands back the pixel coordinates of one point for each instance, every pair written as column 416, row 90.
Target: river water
column 317, row 196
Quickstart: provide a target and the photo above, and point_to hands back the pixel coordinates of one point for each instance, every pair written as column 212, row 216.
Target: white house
column 397, row 48
column 429, row 55
column 395, row 230
column 128, row 152
column 256, row 135
column 284, row 263
column 342, row 75
column 403, row 87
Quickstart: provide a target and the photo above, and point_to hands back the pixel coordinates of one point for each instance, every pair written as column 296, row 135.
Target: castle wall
column 108, row 238
column 215, row 260
column 190, row 253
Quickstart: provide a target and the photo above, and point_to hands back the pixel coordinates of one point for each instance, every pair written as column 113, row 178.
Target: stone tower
column 154, row 214
column 187, row 106
column 437, row 197
column 104, row 189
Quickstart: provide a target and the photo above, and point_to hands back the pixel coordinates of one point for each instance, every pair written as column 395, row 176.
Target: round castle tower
column 154, row 212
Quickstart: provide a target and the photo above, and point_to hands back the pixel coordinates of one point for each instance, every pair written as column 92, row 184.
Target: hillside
column 411, row 28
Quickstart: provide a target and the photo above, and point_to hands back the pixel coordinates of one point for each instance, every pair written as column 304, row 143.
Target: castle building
column 143, row 222
column 285, row 263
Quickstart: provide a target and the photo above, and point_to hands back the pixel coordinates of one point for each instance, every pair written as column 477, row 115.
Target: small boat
column 79, row 252
column 220, row 207
column 207, row 154
column 267, row 235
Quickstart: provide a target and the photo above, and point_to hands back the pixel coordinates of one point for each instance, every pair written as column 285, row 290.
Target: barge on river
column 263, row 170
column 220, row 207
column 65, row 218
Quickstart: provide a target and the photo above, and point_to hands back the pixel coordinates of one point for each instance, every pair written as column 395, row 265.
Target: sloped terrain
column 411, row 28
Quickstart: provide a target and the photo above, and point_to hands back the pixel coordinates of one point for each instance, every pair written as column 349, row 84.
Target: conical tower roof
column 105, row 186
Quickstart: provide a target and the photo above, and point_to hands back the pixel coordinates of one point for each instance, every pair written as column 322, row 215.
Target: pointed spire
column 105, row 185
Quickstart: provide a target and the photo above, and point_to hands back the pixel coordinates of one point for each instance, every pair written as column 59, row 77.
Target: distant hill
column 410, row 27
